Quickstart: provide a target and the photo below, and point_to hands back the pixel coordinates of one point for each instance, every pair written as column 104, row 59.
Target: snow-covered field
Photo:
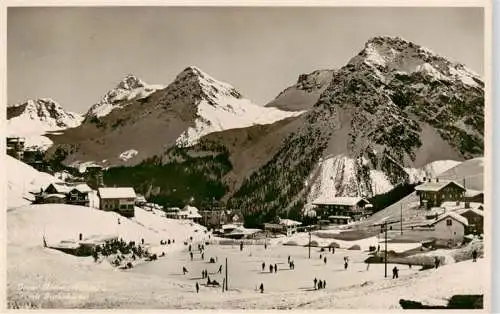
column 47, row 278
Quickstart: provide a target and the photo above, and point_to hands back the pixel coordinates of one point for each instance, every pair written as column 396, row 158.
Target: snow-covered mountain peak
column 219, row 106
column 35, row 117
column 131, row 82
column 45, row 110
column 395, row 55
column 194, row 79
column 129, row 88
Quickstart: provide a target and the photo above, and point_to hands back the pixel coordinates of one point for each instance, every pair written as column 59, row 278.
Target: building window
column 448, row 222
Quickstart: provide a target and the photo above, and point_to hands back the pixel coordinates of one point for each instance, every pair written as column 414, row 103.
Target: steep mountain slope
column 212, row 169
column 36, row 117
column 192, row 106
column 304, row 94
column 395, row 105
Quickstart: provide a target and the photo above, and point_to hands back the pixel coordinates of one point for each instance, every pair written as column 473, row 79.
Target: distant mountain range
column 396, row 112
column 33, row 118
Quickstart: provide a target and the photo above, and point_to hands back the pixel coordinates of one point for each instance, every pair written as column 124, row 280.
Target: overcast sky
column 74, row 55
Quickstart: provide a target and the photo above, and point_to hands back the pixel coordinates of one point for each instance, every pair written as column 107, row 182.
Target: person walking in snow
column 263, row 266
column 320, row 256
column 395, row 271
column 220, row 269
column 474, row 256
column 202, row 256
column 189, row 248
column 261, row 287
column 320, row 285
column 241, row 246
column 271, row 268
column 275, row 268
column 324, row 284
column 436, row 262
column 324, row 260
column 346, row 265
column 184, row 270
column 315, row 283
column 288, row 259
column 191, row 254
column 197, row 287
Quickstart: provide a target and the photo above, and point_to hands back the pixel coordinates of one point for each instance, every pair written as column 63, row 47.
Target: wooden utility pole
column 385, row 258
column 383, row 226
column 309, row 244
column 401, row 218
column 227, row 284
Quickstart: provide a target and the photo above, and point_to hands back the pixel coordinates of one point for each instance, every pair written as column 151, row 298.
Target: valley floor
column 44, row 278
column 52, row 280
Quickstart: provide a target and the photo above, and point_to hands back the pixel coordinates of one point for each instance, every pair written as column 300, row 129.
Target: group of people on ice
column 319, row 284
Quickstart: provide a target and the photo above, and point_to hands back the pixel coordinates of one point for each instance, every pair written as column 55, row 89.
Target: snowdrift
column 61, row 222
column 22, row 179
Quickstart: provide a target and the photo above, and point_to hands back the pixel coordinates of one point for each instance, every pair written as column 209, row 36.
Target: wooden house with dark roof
column 433, row 193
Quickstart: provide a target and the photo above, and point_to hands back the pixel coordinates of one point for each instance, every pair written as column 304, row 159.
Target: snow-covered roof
column 172, row 209
column 339, row 217
column 229, row 226
column 349, row 201
column 460, row 205
column 116, row 193
column 453, row 215
column 82, row 188
column 60, row 188
column 289, row 222
column 436, row 186
column 474, row 210
column 472, row 193
column 55, row 195
column 244, row 231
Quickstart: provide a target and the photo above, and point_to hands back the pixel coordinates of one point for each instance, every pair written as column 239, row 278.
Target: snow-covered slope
column 222, row 108
column 34, row 118
column 193, row 105
column 471, row 171
column 305, row 93
column 384, row 114
column 59, row 222
column 131, row 87
column 23, row 179
column 431, row 170
column 338, row 177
